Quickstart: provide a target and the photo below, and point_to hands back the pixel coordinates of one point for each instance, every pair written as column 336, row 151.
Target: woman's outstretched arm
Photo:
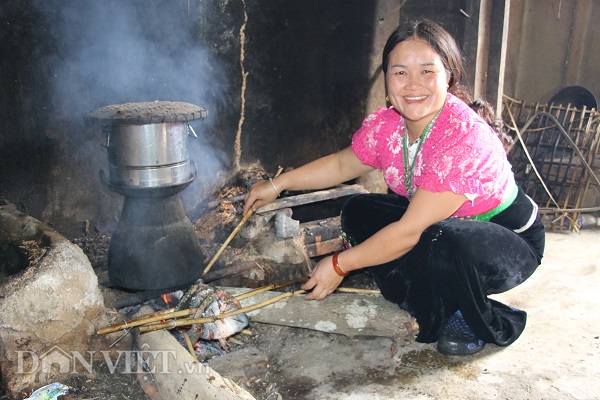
column 322, row 173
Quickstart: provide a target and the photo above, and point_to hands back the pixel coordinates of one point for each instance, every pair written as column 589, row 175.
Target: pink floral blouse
column 461, row 154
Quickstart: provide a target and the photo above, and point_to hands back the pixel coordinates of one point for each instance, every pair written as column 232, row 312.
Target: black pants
column 456, row 264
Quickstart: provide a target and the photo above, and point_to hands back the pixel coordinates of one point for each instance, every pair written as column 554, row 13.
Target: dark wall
column 64, row 58
column 26, row 152
column 305, row 88
column 308, row 78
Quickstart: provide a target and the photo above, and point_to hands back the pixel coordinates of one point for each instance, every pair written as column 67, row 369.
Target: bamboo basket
column 561, row 163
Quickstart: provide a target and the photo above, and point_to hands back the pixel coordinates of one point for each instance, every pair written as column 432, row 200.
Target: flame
column 165, row 298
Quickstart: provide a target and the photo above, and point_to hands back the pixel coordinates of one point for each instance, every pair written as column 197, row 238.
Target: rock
column 349, row 314
column 51, row 308
column 243, row 365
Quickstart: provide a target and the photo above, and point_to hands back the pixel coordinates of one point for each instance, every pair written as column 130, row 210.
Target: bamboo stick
column 145, row 320
column 189, row 344
column 295, row 282
column 194, row 321
column 357, row 290
column 235, row 231
column 170, row 314
column 268, row 287
column 234, row 340
column 154, row 314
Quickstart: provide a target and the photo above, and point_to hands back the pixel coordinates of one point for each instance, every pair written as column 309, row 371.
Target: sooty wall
column 284, row 82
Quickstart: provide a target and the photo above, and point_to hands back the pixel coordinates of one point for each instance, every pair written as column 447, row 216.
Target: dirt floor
column 555, row 358
column 101, row 385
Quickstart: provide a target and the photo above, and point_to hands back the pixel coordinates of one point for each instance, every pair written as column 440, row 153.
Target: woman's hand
column 261, row 193
column 323, row 280
column 389, row 243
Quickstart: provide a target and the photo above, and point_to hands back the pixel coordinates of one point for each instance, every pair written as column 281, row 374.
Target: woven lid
column 152, row 112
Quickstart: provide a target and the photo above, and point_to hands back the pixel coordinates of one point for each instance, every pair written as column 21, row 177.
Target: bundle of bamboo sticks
column 171, row 318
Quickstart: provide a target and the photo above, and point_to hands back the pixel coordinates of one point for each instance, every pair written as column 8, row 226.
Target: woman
column 456, row 229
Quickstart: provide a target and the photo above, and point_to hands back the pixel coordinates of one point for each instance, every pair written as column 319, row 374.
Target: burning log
column 187, row 383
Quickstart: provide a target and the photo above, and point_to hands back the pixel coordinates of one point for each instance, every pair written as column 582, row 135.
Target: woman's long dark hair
column 444, row 44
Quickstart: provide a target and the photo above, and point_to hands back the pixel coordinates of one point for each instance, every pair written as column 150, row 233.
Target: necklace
column 408, row 164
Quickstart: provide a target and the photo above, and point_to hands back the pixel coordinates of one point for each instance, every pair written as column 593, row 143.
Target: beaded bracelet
column 336, row 266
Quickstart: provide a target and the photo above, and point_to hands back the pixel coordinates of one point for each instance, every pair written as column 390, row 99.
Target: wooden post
column 497, row 47
column 485, row 47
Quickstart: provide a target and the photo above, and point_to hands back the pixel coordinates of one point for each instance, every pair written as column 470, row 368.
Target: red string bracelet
column 336, row 266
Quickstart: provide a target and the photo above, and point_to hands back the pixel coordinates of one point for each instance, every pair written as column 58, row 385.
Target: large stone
column 349, row 314
column 50, row 308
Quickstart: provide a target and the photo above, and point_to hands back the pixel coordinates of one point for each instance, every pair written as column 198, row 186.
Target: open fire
column 267, row 251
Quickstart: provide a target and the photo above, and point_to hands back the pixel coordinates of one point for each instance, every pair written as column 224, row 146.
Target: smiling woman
column 417, row 83
column 456, row 227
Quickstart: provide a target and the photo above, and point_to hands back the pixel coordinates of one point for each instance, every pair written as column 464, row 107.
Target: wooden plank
column 326, row 229
column 180, row 376
column 498, row 38
column 314, row 197
column 470, row 44
column 322, row 237
column 323, row 247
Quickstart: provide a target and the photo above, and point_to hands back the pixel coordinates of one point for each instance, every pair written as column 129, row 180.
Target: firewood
column 148, row 322
column 232, row 235
column 194, row 321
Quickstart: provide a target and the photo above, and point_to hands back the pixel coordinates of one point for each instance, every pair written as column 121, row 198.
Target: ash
column 95, row 247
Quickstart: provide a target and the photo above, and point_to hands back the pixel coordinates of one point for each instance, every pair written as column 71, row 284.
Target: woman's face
column 417, row 82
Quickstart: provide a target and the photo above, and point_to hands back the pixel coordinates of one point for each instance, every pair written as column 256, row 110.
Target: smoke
column 120, row 51
column 116, row 51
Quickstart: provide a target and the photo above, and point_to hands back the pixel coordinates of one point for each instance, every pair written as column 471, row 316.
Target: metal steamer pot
column 154, row 246
column 147, row 146
column 149, row 156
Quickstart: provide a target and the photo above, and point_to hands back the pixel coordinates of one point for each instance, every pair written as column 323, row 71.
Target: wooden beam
column 308, row 198
column 581, row 25
column 497, row 47
column 322, row 237
column 485, row 47
column 179, row 375
column 323, row 247
column 470, row 44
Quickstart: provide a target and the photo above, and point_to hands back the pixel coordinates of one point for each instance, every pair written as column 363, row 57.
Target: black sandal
column 457, row 339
